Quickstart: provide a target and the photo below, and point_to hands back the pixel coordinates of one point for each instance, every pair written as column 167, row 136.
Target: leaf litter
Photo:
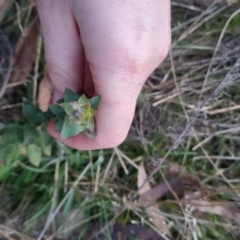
column 45, row 91
column 25, row 53
column 152, row 210
column 20, row 62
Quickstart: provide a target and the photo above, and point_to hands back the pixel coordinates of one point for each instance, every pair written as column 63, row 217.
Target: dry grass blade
column 223, row 110
column 231, row 130
column 123, row 156
column 152, row 210
column 11, row 234
column 45, row 92
column 195, row 27
column 6, row 65
column 226, row 211
column 53, row 215
column 25, row 52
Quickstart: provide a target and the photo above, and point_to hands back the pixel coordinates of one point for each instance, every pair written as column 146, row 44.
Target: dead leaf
column 142, row 177
column 162, row 189
column 218, row 208
column 187, row 179
column 152, row 210
column 45, row 91
column 25, row 53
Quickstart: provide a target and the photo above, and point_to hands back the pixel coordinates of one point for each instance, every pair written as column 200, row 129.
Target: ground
column 184, row 137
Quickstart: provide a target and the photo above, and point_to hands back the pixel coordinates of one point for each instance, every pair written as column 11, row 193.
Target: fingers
column 64, row 51
column 114, row 116
column 123, row 43
column 113, row 121
column 130, row 35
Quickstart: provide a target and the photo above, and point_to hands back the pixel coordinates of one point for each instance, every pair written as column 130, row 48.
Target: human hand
column 117, row 44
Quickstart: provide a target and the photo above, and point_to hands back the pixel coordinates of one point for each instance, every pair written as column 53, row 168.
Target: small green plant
column 72, row 114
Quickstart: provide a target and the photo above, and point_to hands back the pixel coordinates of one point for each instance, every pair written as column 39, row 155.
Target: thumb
column 63, row 48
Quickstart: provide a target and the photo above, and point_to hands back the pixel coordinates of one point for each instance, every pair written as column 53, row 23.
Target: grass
column 76, row 192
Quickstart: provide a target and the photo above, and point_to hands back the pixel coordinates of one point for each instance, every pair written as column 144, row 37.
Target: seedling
column 73, row 114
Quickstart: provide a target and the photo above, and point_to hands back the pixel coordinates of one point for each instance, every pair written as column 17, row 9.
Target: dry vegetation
column 184, row 137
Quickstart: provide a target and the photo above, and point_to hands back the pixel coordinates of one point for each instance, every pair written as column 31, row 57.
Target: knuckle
column 131, row 64
column 163, row 52
column 164, row 46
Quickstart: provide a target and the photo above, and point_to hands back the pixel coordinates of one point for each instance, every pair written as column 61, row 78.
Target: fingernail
column 57, row 95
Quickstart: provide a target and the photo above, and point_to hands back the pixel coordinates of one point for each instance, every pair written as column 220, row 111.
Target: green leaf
column 70, row 130
column 68, row 205
column 13, row 156
column 90, row 129
column 57, row 111
column 5, row 171
column 9, row 152
column 47, row 138
column 91, row 135
column 12, row 134
column 4, row 150
column 235, row 21
column 47, row 150
column 68, row 107
column 44, row 143
column 83, row 100
column 34, row 154
column 44, row 116
column 70, row 96
column 74, row 158
column 58, row 126
column 95, row 101
column 34, row 115
column 30, row 135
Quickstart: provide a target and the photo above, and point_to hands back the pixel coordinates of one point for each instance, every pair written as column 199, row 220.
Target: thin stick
column 9, row 70
column 121, row 160
column 130, row 161
column 224, row 158
column 97, row 178
column 19, row 18
column 36, row 67
column 222, row 110
column 166, row 99
column 11, row 106
column 108, row 168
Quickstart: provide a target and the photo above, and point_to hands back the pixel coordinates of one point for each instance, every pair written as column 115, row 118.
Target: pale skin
column 117, row 44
